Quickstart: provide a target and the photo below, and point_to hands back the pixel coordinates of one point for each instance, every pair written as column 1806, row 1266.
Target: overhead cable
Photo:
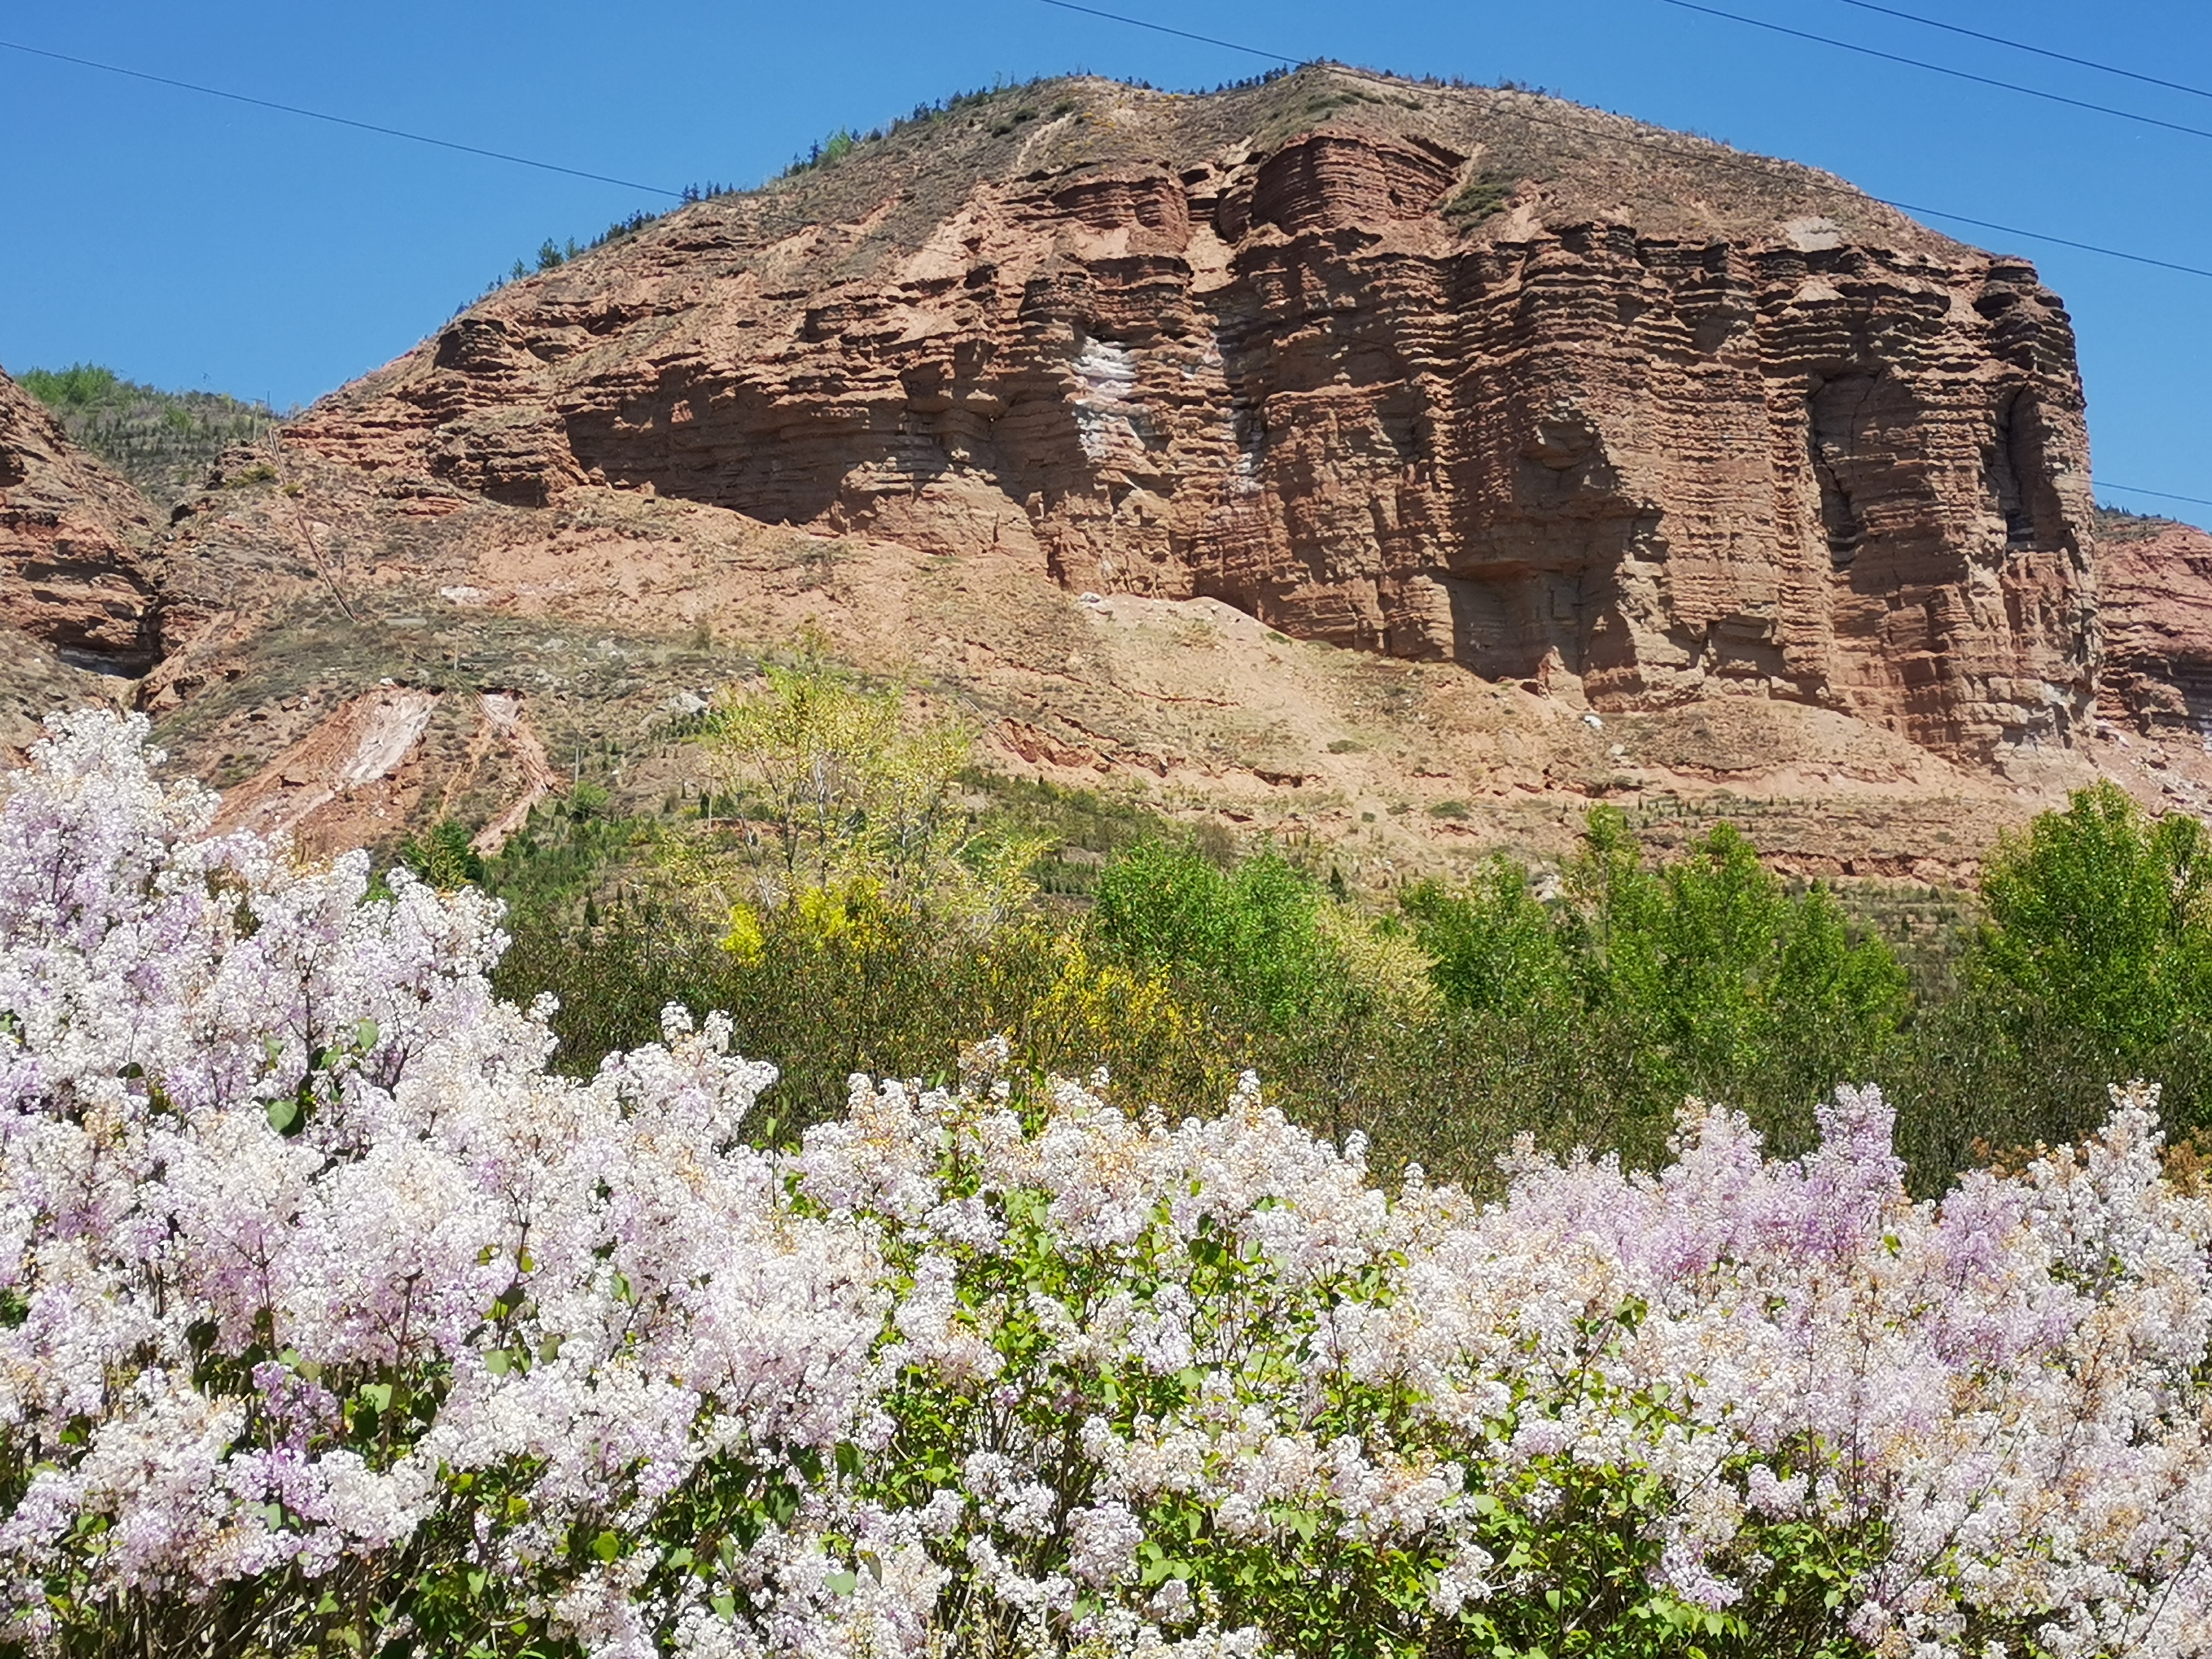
column 2045, row 236
column 1670, row 145
column 2163, row 495
column 1941, row 69
column 338, row 120
column 1185, row 34
column 2023, row 46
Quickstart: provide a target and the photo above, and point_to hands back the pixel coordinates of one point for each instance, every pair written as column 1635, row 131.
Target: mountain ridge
column 1072, row 403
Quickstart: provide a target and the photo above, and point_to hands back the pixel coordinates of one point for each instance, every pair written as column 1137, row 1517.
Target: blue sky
column 193, row 243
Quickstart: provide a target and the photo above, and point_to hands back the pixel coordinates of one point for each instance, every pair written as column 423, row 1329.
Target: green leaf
column 843, row 1583
column 606, row 1547
column 283, row 1114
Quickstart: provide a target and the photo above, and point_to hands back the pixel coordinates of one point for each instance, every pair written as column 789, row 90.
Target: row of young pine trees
column 851, row 900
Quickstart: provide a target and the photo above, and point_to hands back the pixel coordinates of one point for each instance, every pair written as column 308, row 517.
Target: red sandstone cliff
column 2155, row 609
column 1730, row 487
column 75, row 540
column 1447, row 374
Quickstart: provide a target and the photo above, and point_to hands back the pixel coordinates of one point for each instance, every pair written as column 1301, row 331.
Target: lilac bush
column 330, row 1320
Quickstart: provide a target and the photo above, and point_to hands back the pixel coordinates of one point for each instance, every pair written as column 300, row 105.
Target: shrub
column 1477, row 200
column 333, row 1323
column 843, row 909
column 1248, row 936
column 2100, row 919
column 1737, row 989
column 443, row 857
column 840, row 791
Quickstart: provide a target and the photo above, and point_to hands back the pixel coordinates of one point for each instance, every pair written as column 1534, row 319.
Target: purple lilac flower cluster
column 326, row 1309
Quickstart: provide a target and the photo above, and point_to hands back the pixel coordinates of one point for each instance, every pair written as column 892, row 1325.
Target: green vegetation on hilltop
column 552, row 253
column 1008, row 107
column 162, row 442
column 829, row 151
column 2125, row 524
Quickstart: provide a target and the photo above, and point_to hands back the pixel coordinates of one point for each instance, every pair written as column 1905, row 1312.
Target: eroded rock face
column 1796, row 448
column 74, row 539
column 2156, row 608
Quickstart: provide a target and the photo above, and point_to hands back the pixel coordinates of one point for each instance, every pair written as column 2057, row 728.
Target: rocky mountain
column 78, row 594
column 1401, row 464
column 1405, row 369
column 162, row 442
column 2155, row 605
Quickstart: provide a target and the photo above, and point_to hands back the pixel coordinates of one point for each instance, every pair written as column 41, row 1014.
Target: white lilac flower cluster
column 329, row 1317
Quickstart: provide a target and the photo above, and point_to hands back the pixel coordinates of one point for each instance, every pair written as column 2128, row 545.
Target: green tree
column 442, row 856
column 1730, row 985
column 2101, row 921
column 1592, row 1015
column 1252, row 936
column 1498, row 947
column 2092, row 966
column 843, row 792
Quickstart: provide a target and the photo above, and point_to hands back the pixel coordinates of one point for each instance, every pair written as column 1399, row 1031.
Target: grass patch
column 1476, row 200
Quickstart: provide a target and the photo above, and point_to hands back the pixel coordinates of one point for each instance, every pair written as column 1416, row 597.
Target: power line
column 2023, row 46
column 1669, row 146
column 1185, row 34
column 1744, row 164
column 2045, row 236
column 1940, row 69
column 2163, row 495
column 338, row 120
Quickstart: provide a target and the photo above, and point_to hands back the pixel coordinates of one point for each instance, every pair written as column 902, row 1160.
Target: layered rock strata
column 1387, row 367
column 75, row 569
column 2155, row 605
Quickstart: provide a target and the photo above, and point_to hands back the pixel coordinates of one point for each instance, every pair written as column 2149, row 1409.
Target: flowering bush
column 329, row 1319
